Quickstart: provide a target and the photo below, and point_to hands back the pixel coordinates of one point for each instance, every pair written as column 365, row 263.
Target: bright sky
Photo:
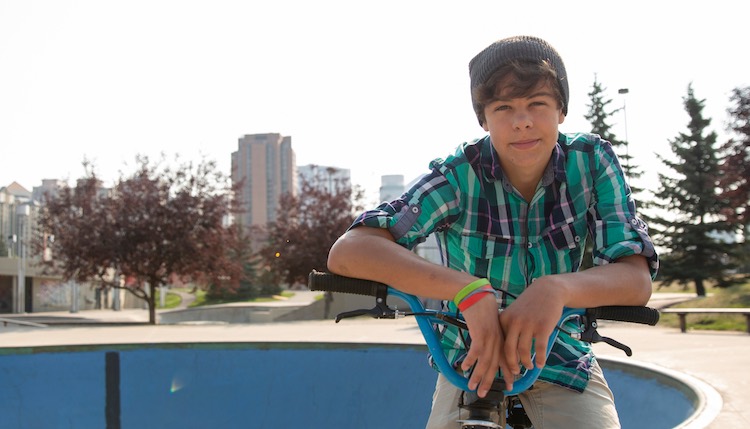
column 376, row 87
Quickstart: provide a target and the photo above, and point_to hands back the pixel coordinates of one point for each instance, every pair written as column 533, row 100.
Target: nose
column 522, row 120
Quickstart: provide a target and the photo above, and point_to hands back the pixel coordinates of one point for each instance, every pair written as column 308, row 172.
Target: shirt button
column 415, row 209
column 577, row 239
column 634, row 221
column 530, row 245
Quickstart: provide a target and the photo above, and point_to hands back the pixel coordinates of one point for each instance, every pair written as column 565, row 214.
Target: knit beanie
column 485, row 63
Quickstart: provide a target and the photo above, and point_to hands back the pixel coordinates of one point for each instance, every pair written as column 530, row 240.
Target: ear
column 485, row 127
column 561, row 118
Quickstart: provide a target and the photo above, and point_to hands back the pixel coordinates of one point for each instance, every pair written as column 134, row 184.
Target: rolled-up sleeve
column 618, row 231
column 430, row 204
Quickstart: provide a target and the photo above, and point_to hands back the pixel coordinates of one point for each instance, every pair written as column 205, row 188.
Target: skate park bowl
column 275, row 385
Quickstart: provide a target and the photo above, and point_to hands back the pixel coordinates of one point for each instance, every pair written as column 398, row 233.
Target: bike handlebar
column 319, row 281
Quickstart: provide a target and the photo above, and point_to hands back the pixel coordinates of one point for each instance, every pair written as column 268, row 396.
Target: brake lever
column 380, row 311
column 591, row 335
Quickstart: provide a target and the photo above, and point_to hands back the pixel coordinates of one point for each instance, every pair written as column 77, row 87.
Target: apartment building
column 266, row 165
column 18, row 213
column 332, row 179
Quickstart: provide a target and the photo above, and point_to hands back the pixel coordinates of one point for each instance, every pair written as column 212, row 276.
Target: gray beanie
column 485, row 63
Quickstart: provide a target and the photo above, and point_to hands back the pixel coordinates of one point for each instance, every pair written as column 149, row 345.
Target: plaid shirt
column 484, row 227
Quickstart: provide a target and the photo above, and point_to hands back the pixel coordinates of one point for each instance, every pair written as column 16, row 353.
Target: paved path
column 186, row 298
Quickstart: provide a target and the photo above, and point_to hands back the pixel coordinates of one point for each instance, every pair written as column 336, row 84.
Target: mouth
column 525, row 144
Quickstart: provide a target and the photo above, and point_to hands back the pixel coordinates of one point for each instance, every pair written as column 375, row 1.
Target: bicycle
column 498, row 400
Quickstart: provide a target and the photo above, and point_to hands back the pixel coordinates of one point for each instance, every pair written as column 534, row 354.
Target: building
column 24, row 285
column 49, row 187
column 332, row 179
column 266, row 166
column 18, row 212
column 391, row 187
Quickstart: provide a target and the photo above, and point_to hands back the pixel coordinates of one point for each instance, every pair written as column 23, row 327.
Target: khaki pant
column 547, row 405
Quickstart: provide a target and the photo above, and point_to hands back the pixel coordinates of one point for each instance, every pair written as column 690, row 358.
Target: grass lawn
column 731, row 297
column 172, row 300
column 200, row 298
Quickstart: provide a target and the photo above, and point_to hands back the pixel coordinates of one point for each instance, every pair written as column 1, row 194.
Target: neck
column 526, row 181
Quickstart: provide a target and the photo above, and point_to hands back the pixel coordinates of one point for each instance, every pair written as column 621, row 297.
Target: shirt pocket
column 565, row 237
column 566, row 241
column 483, row 246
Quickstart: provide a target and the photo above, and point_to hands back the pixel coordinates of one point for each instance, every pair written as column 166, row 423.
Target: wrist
column 473, row 293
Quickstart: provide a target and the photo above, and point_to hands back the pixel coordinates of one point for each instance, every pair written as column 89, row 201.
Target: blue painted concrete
column 645, row 402
column 254, row 386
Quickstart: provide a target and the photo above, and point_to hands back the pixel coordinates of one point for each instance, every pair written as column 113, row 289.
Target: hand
column 486, row 341
column 530, row 320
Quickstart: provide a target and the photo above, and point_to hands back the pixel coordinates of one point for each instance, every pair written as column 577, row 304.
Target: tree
column 690, row 199
column 158, row 223
column 299, row 241
column 598, row 116
column 735, row 165
column 249, row 281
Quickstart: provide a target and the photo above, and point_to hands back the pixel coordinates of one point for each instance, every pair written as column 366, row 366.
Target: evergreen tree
column 598, row 116
column 735, row 167
column 692, row 227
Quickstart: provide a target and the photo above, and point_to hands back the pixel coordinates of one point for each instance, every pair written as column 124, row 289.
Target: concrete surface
column 718, row 359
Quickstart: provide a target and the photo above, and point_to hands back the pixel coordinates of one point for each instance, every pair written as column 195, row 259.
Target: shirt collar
column 493, row 171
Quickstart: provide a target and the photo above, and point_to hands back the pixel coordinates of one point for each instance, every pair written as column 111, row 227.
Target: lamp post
column 22, row 213
column 623, row 92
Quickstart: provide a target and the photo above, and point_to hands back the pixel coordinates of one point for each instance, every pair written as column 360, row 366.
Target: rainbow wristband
column 468, row 289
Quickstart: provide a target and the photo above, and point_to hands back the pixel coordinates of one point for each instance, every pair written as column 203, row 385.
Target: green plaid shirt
column 484, row 227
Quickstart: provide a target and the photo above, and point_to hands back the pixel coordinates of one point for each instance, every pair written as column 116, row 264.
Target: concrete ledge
column 224, row 313
column 706, row 400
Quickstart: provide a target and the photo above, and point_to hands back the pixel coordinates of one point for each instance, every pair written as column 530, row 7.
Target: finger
column 474, row 363
column 470, row 359
column 525, row 342
column 505, row 369
column 480, row 380
column 510, row 353
column 507, row 377
column 541, row 352
column 487, row 379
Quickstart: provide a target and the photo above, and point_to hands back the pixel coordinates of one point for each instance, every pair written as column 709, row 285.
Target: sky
column 376, row 87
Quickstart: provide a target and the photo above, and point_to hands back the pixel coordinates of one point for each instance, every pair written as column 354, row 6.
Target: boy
column 513, row 210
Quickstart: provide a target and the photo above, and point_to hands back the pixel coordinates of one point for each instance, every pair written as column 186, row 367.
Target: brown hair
column 521, row 78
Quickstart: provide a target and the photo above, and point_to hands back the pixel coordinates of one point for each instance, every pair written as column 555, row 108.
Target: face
column 524, row 130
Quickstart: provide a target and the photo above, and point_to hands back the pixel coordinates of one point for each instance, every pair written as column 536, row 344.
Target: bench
column 683, row 312
column 5, row 322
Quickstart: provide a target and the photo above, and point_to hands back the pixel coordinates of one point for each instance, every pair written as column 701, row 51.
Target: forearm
column 535, row 314
column 625, row 282
column 371, row 253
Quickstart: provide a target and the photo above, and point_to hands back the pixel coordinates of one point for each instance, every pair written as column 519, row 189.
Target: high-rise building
column 266, row 163
column 391, row 186
column 332, row 179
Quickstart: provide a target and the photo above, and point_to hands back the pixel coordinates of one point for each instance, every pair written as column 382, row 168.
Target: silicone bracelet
column 473, row 299
column 468, row 289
